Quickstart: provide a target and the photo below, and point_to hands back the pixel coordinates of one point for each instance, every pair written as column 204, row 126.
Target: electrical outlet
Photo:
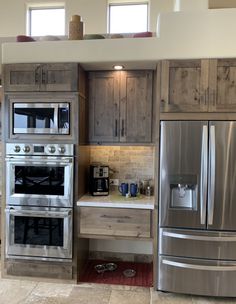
column 114, row 181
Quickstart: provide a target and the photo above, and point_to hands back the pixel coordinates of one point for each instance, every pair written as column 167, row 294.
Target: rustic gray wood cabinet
column 120, row 106
column 184, row 85
column 199, row 85
column 33, row 77
column 222, row 85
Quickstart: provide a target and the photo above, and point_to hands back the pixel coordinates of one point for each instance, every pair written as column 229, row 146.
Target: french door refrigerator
column 197, row 208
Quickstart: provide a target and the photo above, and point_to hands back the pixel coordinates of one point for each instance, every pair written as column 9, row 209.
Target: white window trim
column 126, row 2
column 40, row 5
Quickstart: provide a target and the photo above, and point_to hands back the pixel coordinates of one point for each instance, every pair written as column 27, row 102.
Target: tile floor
column 27, row 292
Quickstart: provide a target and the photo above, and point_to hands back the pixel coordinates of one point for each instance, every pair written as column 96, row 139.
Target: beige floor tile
column 80, row 295
column 169, row 298
column 13, row 291
column 32, row 299
column 53, row 290
column 211, row 300
column 129, row 297
column 115, row 287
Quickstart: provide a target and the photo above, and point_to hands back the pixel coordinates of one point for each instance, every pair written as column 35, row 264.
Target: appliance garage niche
column 41, row 148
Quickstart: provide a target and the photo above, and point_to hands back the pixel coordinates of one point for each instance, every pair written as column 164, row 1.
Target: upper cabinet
column 222, row 85
column 201, row 85
column 31, row 77
column 184, row 85
column 120, row 106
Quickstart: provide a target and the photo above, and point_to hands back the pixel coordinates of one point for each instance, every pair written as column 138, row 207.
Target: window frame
column 124, row 3
column 32, row 7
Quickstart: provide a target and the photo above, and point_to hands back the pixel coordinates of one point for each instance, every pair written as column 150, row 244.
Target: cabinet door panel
column 136, row 106
column 59, row 77
column 115, row 222
column 184, row 85
column 223, row 85
column 22, row 77
column 103, row 107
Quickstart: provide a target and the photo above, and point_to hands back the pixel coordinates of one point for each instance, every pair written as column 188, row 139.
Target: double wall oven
column 39, row 201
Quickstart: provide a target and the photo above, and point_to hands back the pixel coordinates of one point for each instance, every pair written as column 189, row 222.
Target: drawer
column 116, row 222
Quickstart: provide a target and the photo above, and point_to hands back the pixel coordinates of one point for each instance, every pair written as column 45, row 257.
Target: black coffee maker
column 99, row 180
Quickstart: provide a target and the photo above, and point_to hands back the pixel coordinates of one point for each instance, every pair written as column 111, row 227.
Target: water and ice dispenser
column 183, row 191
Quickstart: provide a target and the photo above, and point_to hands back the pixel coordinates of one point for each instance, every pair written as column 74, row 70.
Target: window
column 46, row 20
column 128, row 17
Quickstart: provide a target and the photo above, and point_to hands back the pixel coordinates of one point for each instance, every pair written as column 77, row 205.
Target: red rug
column 143, row 277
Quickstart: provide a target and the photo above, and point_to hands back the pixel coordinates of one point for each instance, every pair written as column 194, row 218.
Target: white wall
column 93, row 12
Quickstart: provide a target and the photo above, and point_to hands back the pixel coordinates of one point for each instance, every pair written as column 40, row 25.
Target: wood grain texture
column 184, row 85
column 136, row 106
column 115, row 222
column 103, row 106
column 223, row 85
column 34, row 77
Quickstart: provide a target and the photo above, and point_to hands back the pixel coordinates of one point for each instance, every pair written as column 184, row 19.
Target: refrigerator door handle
column 199, row 267
column 203, row 184
column 212, row 161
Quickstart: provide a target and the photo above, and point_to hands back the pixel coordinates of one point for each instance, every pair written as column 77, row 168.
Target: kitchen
column 44, row 54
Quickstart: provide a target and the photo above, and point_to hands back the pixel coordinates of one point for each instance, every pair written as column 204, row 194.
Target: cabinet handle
column 116, row 128
column 116, row 217
column 122, row 128
column 44, row 77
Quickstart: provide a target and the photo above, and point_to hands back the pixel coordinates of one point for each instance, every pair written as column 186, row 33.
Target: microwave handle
column 56, row 118
column 38, row 213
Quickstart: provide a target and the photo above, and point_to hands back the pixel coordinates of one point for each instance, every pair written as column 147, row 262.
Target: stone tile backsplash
column 127, row 163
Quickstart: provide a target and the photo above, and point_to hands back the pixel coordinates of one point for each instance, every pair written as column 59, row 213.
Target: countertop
column 116, row 200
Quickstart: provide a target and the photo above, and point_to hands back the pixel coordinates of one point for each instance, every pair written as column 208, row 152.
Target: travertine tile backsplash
column 128, row 163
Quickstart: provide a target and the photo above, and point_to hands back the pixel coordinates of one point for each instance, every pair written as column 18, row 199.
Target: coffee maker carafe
column 99, row 180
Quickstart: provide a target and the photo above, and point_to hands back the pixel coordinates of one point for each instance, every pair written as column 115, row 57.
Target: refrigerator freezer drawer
column 196, row 276
column 197, row 244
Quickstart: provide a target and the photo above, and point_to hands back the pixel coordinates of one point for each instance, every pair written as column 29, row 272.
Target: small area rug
column 143, row 277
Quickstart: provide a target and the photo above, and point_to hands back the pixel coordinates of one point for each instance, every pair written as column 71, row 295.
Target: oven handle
column 32, row 213
column 39, row 162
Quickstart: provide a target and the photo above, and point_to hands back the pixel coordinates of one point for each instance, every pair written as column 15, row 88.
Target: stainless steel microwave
column 40, row 118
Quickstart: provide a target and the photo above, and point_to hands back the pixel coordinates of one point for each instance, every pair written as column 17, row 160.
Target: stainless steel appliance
column 46, row 116
column 39, row 174
column 99, row 180
column 40, row 118
column 197, row 208
column 38, row 233
column 39, row 201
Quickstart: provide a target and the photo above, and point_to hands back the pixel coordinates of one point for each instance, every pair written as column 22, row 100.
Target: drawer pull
column 116, row 217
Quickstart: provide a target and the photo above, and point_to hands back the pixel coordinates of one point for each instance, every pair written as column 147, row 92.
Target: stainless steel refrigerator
column 197, row 208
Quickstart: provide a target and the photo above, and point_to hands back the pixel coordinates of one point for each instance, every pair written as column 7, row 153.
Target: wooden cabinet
column 201, row 85
column 184, row 85
column 120, row 106
column 222, row 85
column 114, row 222
column 32, row 77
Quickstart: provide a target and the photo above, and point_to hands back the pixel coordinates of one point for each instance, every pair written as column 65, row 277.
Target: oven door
column 40, row 118
column 40, row 233
column 39, row 181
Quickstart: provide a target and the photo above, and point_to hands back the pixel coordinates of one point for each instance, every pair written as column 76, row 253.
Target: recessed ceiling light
column 118, row 67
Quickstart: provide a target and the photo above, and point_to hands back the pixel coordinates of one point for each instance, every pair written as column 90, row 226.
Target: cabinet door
column 222, row 85
column 22, row 77
column 136, row 107
column 103, row 106
column 59, row 77
column 184, row 85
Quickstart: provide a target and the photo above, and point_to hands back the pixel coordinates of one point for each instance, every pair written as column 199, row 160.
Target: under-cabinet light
column 118, row 67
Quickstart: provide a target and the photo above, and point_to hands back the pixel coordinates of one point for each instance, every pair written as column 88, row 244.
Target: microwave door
column 183, row 174
column 35, row 118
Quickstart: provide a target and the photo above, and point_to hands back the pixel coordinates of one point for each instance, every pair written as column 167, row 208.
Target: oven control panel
column 40, row 149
